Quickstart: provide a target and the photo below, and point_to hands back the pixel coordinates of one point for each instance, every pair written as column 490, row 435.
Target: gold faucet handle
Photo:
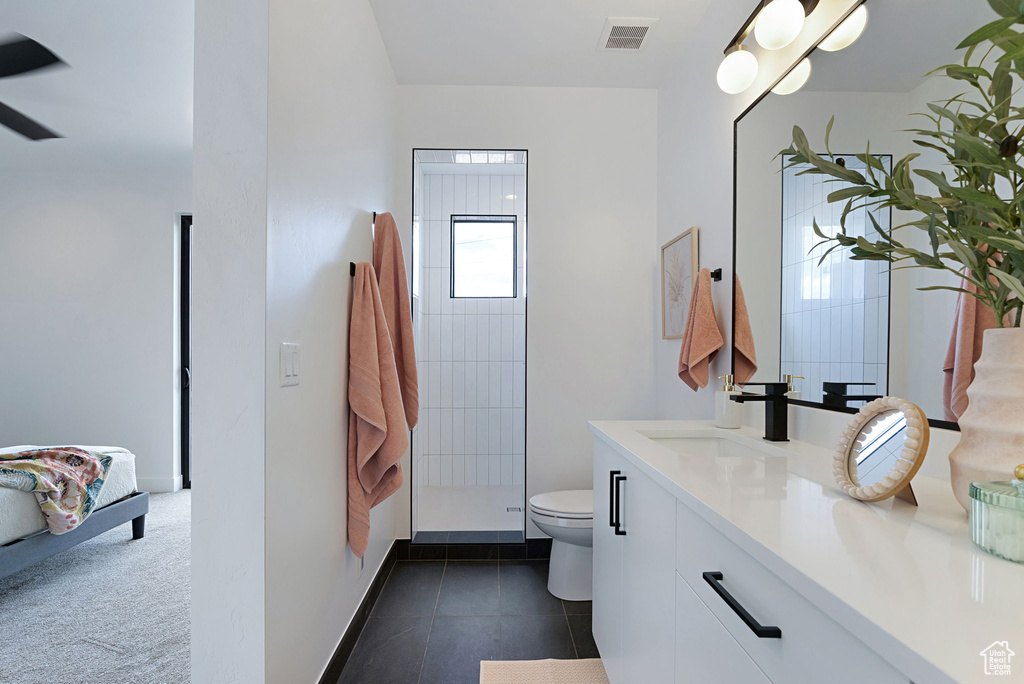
column 1018, row 472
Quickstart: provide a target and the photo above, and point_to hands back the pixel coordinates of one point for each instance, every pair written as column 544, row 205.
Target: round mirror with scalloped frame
column 881, row 450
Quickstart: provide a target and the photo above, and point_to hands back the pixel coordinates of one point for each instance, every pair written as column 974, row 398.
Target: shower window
column 483, row 258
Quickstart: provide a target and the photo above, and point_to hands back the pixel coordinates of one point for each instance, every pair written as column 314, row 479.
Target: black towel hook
column 716, row 275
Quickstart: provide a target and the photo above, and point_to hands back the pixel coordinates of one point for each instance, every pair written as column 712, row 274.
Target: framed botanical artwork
column 678, row 269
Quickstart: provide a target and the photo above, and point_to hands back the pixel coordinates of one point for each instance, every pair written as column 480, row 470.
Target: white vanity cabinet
column 812, row 646
column 657, row 619
column 634, row 576
column 704, row 650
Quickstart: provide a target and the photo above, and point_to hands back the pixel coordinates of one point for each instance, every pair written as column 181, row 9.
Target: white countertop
column 906, row 580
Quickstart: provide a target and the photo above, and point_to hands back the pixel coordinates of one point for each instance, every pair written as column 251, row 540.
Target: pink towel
column 701, row 339
column 744, row 356
column 377, row 432
column 971, row 321
column 389, row 263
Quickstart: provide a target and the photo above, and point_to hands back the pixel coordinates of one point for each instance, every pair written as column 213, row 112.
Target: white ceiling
column 902, row 42
column 129, row 84
column 530, row 42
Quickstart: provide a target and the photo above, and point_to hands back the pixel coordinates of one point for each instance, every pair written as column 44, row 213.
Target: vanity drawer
column 812, row 646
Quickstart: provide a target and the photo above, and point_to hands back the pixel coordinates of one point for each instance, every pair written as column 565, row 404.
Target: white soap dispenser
column 791, row 392
column 728, row 413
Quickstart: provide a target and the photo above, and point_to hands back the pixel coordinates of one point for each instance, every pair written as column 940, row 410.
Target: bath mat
column 586, row 671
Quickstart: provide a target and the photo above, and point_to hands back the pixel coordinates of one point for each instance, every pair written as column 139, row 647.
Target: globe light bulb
column 847, row 32
column 737, row 71
column 779, row 23
column 795, row 79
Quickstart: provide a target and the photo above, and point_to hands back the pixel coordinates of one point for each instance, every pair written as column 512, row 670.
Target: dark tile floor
column 436, row 620
column 485, row 537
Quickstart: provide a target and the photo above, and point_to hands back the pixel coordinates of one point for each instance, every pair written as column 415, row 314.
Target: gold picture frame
column 679, row 267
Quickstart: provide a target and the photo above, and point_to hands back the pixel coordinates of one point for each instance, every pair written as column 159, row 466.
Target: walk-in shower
column 469, row 310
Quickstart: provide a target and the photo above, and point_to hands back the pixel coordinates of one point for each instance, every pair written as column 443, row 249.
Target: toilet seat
column 572, row 504
column 541, row 518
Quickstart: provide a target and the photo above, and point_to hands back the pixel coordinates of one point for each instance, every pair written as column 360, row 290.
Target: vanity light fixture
column 775, row 24
column 779, row 23
column 737, row 71
column 847, row 32
column 795, row 79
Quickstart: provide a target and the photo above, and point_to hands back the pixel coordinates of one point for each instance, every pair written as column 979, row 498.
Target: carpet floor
column 109, row 610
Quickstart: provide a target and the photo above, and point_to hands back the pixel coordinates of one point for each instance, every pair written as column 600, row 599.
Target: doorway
column 185, row 310
column 469, row 308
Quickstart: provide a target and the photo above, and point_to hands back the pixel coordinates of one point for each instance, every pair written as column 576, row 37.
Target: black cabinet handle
column 762, row 631
column 618, row 501
column 611, row 497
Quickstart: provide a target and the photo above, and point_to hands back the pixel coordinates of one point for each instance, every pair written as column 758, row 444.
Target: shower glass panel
column 469, row 307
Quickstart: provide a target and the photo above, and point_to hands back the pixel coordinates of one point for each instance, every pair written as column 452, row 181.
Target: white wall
column 289, row 166
column 229, row 342
column 330, row 163
column 88, row 261
column 592, row 170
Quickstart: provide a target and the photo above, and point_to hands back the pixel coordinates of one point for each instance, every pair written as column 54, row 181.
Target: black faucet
column 838, row 393
column 776, row 420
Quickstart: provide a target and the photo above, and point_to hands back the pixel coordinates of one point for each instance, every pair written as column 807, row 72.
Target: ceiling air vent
column 626, row 33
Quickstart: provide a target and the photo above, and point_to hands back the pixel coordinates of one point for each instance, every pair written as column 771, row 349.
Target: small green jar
column 997, row 518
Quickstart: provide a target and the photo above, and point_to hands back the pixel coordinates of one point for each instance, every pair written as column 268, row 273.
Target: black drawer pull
column 762, row 631
column 618, row 503
column 611, row 497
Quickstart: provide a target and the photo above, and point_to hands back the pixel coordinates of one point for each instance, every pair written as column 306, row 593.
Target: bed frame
column 21, row 553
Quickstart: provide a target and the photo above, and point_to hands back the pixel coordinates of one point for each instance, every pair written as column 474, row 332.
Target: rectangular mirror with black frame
column 853, row 329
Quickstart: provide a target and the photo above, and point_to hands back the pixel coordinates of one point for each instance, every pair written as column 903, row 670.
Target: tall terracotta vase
column 992, row 428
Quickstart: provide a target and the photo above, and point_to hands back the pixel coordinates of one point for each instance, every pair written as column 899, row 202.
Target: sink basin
column 691, row 446
column 697, row 443
column 690, row 442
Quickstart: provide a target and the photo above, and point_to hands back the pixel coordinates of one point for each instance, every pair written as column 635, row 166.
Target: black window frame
column 485, row 218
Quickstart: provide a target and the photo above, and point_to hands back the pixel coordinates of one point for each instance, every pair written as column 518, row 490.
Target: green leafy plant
column 975, row 225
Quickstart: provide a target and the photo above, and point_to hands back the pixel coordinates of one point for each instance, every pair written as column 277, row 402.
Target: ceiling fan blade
column 21, row 124
column 21, row 55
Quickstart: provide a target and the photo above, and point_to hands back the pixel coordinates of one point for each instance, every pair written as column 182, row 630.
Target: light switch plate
column 289, row 364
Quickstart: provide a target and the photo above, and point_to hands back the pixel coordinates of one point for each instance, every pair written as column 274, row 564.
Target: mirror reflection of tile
column 835, row 316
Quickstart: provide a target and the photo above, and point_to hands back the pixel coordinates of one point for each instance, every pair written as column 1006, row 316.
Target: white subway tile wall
column 835, row 316
column 471, row 352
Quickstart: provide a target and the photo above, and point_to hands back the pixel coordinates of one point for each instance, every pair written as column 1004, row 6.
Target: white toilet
column 568, row 518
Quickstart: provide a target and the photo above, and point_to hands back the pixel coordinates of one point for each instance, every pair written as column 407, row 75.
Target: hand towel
column 744, row 356
column 377, row 432
column 701, row 338
column 389, row 264
column 970, row 322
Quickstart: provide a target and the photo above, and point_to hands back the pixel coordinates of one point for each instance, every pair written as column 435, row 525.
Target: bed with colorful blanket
column 54, row 497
